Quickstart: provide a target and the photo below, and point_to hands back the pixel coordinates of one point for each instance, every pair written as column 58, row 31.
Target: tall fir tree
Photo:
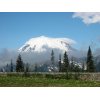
column 52, row 58
column 11, row 65
column 65, row 63
column 6, row 69
column 72, row 65
column 60, row 65
column 90, row 62
column 19, row 64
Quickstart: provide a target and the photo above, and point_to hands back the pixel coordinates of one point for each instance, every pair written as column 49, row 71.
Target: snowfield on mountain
column 43, row 44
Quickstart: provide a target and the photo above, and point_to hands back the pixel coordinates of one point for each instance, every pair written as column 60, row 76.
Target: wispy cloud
column 88, row 17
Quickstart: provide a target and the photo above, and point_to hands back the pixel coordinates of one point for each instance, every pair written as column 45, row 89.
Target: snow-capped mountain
column 43, row 44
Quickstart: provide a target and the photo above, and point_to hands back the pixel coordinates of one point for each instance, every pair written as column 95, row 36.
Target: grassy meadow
column 40, row 81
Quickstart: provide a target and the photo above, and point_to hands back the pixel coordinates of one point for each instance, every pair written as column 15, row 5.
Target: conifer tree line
column 64, row 64
column 71, row 67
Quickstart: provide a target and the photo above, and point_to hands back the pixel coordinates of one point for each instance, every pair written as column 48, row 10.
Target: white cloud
column 88, row 17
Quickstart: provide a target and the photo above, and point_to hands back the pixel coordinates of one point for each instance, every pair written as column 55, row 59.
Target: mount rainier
column 44, row 44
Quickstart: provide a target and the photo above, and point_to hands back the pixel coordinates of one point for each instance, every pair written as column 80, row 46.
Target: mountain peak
column 42, row 36
column 43, row 44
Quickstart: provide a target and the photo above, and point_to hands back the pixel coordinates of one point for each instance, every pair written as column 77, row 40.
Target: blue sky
column 17, row 28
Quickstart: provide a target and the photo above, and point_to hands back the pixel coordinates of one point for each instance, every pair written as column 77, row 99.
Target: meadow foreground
column 31, row 81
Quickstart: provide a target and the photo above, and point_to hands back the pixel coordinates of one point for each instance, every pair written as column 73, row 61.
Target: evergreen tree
column 11, row 64
column 60, row 65
column 6, row 69
column 90, row 62
column 72, row 65
column 77, row 68
column 19, row 64
column 83, row 67
column 35, row 69
column 65, row 63
column 26, row 69
column 52, row 58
